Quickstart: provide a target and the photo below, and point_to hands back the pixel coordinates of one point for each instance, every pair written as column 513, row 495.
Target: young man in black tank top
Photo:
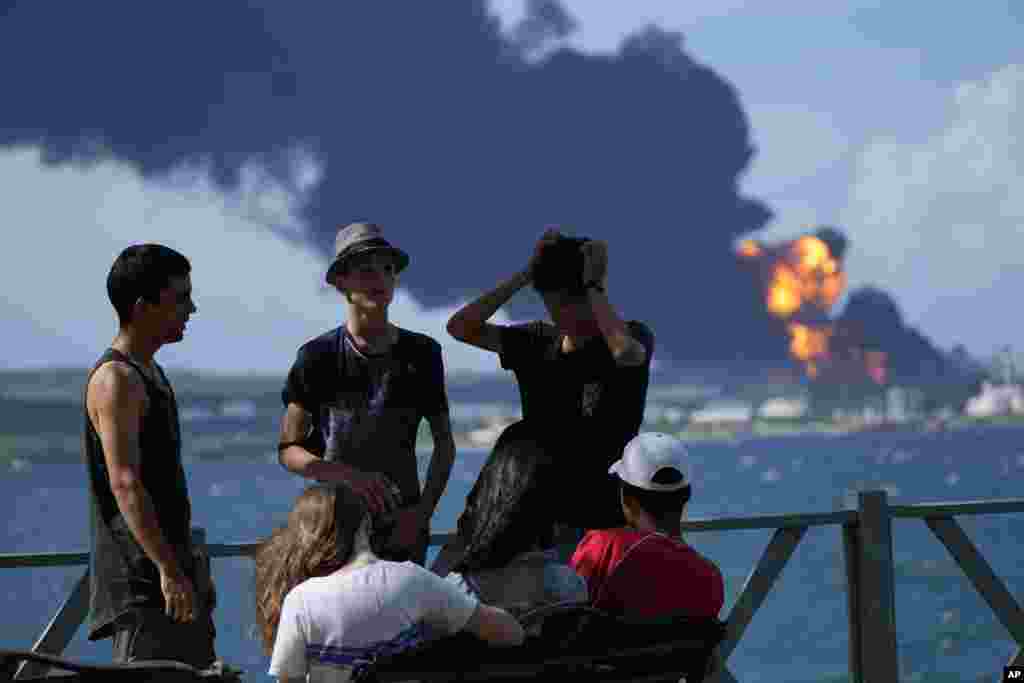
column 149, row 589
column 356, row 395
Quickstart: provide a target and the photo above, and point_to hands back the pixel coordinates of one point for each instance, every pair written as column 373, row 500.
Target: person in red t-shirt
column 645, row 569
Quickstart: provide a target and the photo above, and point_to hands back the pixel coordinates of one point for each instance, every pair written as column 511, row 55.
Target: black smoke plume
column 464, row 142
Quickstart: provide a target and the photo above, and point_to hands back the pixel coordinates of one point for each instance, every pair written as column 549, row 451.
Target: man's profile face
column 168, row 317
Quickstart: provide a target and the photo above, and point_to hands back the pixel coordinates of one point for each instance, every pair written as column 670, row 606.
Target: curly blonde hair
column 318, row 540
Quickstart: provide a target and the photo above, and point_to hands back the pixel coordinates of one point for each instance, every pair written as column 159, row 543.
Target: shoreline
column 13, row 460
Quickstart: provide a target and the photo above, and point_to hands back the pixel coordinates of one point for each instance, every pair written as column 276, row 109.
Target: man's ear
column 628, row 504
column 338, row 286
column 137, row 307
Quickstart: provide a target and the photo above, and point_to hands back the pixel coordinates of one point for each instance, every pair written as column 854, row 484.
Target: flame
column 749, row 249
column 802, row 273
column 807, row 343
column 805, row 274
column 785, row 293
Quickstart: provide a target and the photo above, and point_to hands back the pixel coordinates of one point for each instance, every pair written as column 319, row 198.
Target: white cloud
column 940, row 222
column 603, row 24
column 794, row 145
column 259, row 296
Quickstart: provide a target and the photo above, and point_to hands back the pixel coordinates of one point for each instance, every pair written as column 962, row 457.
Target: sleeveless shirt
column 121, row 576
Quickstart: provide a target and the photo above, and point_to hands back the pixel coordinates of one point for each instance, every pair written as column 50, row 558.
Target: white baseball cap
column 647, row 453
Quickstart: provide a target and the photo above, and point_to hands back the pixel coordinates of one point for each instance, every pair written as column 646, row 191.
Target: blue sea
column 946, row 631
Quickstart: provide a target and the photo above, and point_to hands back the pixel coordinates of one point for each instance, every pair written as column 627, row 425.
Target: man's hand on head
column 595, row 261
column 550, row 236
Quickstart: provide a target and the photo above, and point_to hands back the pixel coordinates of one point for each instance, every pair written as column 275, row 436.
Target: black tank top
column 121, row 576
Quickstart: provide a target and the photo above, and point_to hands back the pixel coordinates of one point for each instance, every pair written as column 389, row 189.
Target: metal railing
column 867, row 549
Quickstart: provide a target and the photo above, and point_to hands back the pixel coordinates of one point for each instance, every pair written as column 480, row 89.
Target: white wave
column 952, row 479
column 747, row 461
column 21, row 465
column 898, row 457
column 770, row 476
column 227, row 488
column 241, row 408
column 194, row 414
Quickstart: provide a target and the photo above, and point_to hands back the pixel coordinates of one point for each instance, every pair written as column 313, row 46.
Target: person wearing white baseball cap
column 645, row 569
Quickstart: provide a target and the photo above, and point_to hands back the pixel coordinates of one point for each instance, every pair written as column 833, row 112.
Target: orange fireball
column 801, row 275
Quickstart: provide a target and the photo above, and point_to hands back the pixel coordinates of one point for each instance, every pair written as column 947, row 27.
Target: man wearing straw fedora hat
column 356, row 395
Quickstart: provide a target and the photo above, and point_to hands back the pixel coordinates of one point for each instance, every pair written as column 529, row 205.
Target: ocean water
column 946, row 631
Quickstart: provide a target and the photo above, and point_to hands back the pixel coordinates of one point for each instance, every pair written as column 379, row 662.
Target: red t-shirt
column 651, row 574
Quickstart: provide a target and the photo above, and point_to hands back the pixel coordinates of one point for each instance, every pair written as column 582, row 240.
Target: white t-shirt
column 334, row 625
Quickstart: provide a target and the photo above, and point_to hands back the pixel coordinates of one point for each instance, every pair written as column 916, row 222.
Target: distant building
column 782, row 408
column 903, row 404
column 996, row 399
column 722, row 414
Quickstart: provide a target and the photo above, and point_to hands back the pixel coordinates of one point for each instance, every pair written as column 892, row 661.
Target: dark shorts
column 148, row 633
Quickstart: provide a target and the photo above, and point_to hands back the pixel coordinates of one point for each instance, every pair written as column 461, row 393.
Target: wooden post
column 755, row 590
column 199, row 537
column 61, row 629
column 982, row 577
column 851, row 553
column 876, row 591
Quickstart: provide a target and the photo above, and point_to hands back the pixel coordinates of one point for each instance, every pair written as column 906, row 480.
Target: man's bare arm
column 469, row 324
column 626, row 350
column 441, row 461
column 296, row 458
column 116, row 401
column 495, row 626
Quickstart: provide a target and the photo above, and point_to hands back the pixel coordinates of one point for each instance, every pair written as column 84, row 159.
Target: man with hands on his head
column 585, row 373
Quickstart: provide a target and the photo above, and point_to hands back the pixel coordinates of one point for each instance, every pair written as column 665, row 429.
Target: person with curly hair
column 327, row 606
column 507, row 529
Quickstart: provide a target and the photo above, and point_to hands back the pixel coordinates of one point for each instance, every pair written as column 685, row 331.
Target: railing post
column 61, row 629
column 876, row 603
column 977, row 569
column 851, row 554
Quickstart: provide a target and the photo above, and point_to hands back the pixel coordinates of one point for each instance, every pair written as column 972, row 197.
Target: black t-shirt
column 593, row 406
column 367, row 408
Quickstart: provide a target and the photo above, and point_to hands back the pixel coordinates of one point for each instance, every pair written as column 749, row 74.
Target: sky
column 900, row 123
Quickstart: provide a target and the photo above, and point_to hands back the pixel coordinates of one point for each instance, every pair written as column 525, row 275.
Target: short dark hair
column 142, row 271
column 666, row 507
column 559, row 267
column 509, row 511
